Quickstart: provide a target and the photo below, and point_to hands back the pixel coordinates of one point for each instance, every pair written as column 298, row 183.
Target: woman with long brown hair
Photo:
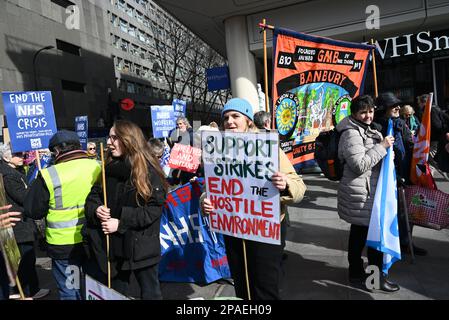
column 136, row 191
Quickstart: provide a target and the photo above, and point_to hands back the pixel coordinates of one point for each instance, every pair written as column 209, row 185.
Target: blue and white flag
column 383, row 231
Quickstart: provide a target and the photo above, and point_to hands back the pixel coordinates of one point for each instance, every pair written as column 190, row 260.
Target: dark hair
column 67, row 147
column 363, row 102
column 260, row 117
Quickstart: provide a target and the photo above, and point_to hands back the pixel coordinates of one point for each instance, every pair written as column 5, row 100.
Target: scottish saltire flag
column 383, row 231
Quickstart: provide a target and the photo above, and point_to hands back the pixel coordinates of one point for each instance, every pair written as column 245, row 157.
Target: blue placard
column 217, row 78
column 31, row 119
column 163, row 119
column 190, row 251
column 179, row 108
column 81, row 129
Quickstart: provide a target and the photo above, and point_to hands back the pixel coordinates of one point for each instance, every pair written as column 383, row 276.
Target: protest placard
column 179, row 107
column 31, row 119
column 238, row 168
column 163, row 120
column 98, row 291
column 81, row 129
column 184, row 157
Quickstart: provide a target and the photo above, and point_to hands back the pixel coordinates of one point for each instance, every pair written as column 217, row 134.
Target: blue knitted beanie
column 239, row 105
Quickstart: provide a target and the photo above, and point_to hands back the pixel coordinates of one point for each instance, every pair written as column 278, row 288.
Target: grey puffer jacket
column 360, row 150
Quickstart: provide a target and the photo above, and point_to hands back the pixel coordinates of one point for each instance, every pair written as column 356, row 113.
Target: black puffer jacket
column 16, row 190
column 136, row 243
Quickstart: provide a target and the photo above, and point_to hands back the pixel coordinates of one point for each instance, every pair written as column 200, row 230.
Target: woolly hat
column 386, row 100
column 239, row 105
column 63, row 137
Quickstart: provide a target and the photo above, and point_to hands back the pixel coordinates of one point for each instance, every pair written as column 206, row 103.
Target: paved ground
column 316, row 267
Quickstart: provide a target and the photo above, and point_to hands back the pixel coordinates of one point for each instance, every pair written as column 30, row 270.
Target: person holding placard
column 58, row 194
column 135, row 193
column 263, row 259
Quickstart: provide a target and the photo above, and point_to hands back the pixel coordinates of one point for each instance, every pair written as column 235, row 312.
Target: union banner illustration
column 315, row 80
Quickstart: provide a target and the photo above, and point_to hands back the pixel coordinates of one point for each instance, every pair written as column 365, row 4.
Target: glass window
column 129, row 10
column 125, row 45
column 132, row 31
column 131, row 87
column 124, row 25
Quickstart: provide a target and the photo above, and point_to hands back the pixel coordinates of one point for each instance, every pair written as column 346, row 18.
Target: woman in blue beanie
column 263, row 259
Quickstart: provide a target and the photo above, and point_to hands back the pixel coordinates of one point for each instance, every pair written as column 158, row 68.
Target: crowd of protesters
column 81, row 216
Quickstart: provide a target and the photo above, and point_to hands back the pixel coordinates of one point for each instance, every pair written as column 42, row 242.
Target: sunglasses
column 92, row 148
column 18, row 154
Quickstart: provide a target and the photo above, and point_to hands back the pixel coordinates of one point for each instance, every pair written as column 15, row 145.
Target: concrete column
column 242, row 67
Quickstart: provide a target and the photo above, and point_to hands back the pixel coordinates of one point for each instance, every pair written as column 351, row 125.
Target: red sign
column 184, row 157
column 127, row 104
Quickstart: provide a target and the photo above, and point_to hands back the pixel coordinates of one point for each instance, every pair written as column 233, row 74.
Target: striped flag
column 383, row 231
column 419, row 169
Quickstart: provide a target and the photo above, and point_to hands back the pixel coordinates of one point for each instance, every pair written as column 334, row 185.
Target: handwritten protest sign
column 238, row 169
column 31, row 119
column 185, row 158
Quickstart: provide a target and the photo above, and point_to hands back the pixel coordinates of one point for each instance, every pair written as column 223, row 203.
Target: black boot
column 386, row 285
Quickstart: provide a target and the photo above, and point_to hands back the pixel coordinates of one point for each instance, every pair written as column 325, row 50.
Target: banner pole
column 265, row 66
column 19, row 287
column 376, row 92
column 246, row 269
column 38, row 160
column 105, row 200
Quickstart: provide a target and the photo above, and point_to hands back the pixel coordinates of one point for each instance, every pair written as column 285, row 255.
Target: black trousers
column 264, row 266
column 356, row 244
column 27, row 268
column 148, row 279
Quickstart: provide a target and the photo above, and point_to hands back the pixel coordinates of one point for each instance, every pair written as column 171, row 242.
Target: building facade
column 90, row 54
column 411, row 37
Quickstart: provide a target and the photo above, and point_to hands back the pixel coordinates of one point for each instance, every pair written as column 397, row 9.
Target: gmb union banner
column 315, row 80
column 190, row 251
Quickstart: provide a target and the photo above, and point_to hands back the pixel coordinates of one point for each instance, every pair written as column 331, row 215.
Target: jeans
column 148, row 279
column 67, row 273
column 4, row 280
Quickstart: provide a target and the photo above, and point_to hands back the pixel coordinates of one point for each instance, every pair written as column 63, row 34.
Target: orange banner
column 315, row 80
column 418, row 173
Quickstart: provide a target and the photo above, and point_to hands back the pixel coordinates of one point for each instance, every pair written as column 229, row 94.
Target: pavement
column 316, row 264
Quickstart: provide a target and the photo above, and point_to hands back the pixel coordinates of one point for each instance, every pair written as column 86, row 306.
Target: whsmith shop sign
column 410, row 44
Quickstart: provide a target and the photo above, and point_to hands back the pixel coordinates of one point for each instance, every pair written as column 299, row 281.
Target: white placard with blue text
column 31, row 119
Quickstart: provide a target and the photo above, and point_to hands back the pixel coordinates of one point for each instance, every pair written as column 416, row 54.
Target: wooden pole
column 105, row 201
column 265, row 66
column 38, row 160
column 376, row 92
column 19, row 286
column 246, row 269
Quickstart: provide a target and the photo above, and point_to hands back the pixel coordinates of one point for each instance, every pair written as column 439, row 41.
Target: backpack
column 326, row 154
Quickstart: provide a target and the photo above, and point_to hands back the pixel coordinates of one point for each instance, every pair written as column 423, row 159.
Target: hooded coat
column 360, row 150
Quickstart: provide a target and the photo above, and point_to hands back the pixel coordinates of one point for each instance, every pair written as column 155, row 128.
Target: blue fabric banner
column 383, row 231
column 190, row 251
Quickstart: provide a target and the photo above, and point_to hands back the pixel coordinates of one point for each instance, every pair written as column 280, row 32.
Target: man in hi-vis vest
column 58, row 194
